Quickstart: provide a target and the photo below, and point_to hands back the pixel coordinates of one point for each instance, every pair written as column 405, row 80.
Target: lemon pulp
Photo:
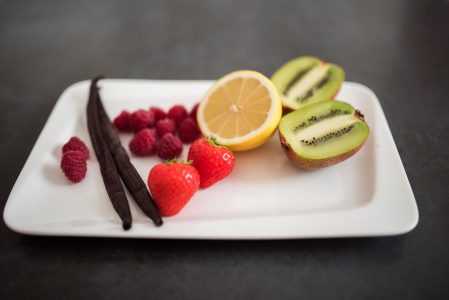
column 241, row 110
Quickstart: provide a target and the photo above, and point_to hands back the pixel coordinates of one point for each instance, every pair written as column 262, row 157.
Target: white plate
column 264, row 198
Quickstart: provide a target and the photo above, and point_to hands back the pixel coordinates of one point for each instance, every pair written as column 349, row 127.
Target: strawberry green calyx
column 170, row 161
column 177, row 161
column 213, row 141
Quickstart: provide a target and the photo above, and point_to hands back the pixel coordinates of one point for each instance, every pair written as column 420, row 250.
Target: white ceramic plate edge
column 273, row 227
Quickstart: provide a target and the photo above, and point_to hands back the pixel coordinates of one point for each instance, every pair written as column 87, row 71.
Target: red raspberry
column 188, row 130
column 177, row 113
column 165, row 126
column 141, row 119
column 169, row 147
column 76, row 144
column 144, row 142
column 122, row 122
column 74, row 165
column 158, row 112
column 194, row 111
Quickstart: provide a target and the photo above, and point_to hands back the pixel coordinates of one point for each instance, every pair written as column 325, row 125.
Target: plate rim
column 407, row 225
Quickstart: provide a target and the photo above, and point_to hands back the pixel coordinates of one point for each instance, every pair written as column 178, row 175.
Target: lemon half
column 241, row 110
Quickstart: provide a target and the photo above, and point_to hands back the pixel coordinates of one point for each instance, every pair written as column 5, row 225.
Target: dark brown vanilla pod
column 111, row 177
column 128, row 172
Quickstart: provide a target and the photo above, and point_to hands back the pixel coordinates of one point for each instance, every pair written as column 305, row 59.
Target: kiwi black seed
column 307, row 80
column 322, row 134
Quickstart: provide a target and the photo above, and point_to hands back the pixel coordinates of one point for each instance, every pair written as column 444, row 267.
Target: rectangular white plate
column 265, row 197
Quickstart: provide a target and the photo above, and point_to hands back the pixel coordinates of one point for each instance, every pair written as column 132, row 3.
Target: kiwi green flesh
column 327, row 87
column 293, row 74
column 324, row 88
column 324, row 130
column 303, row 88
column 313, row 164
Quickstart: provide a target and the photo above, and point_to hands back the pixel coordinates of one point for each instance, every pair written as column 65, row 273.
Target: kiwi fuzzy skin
column 286, row 110
column 313, row 164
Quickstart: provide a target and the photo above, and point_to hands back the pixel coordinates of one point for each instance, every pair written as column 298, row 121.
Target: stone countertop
column 400, row 49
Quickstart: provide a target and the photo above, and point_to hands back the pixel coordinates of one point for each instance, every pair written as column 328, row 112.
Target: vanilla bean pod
column 128, row 172
column 108, row 168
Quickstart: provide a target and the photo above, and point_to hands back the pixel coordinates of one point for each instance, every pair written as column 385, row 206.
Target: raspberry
column 165, row 126
column 76, row 144
column 141, row 119
column 144, row 142
column 122, row 122
column 177, row 113
column 188, row 130
column 158, row 112
column 194, row 111
column 74, row 165
column 169, row 147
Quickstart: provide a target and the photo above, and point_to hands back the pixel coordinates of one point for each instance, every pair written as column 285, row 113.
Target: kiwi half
column 322, row 134
column 307, row 80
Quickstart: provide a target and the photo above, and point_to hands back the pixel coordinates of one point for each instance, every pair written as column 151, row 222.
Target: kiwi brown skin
column 286, row 110
column 313, row 164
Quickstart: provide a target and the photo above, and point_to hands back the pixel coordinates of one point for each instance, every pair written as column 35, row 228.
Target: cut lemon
column 241, row 110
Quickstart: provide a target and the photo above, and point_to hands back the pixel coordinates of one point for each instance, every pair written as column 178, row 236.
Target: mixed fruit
column 239, row 112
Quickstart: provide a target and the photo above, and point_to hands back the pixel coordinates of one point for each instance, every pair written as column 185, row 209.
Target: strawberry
column 212, row 161
column 172, row 184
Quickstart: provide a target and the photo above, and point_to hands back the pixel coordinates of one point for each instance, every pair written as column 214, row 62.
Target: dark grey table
column 398, row 48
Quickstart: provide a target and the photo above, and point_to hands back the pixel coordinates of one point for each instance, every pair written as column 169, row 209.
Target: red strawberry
column 172, row 185
column 212, row 161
